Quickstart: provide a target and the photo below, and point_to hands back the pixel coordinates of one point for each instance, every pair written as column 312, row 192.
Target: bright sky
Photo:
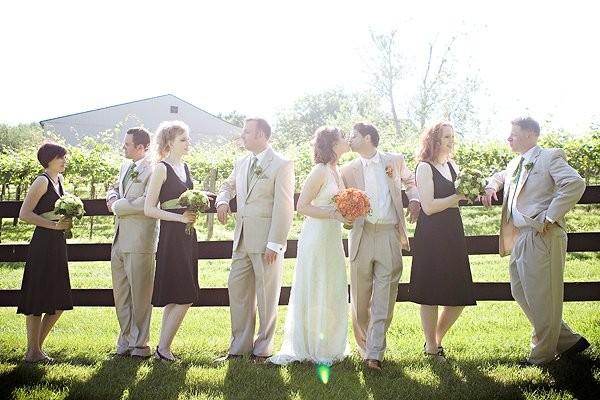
column 61, row 57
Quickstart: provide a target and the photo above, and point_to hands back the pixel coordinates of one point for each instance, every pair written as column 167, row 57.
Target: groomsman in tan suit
column 134, row 246
column 540, row 187
column 263, row 184
column 376, row 241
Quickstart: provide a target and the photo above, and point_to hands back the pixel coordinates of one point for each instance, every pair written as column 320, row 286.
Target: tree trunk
column 93, row 196
column 17, row 197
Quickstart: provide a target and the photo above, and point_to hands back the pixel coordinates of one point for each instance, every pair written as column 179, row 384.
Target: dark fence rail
column 476, row 245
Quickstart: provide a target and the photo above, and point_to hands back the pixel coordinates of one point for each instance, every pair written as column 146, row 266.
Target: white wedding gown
column 316, row 325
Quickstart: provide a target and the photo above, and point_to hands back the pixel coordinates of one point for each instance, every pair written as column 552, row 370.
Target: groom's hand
column 413, row 210
column 490, row 194
column 270, row 256
column 110, row 203
column 222, row 212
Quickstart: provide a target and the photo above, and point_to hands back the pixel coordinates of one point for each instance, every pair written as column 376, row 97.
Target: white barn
column 147, row 112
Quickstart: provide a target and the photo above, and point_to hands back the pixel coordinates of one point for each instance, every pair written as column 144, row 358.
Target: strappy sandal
column 163, row 358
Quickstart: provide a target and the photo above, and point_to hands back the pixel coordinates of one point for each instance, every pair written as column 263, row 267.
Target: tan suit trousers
column 375, row 273
column 253, row 284
column 133, row 280
column 537, row 264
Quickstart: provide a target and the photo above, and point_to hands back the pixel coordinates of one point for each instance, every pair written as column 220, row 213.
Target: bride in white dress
column 316, row 324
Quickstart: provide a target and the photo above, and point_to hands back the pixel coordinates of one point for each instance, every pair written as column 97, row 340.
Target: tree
column 440, row 91
column 296, row 125
column 233, row 117
column 386, row 71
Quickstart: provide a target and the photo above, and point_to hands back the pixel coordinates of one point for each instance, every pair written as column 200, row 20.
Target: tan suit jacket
column 266, row 208
column 352, row 174
column 136, row 232
column 549, row 188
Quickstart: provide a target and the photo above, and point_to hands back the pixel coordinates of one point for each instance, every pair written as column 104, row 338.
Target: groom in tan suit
column 134, row 246
column 376, row 241
column 263, row 184
column 540, row 187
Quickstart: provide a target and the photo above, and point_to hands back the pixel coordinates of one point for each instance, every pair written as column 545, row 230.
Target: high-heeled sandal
column 439, row 355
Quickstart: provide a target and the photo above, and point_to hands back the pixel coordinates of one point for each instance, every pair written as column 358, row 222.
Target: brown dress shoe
column 258, row 359
column 373, row 364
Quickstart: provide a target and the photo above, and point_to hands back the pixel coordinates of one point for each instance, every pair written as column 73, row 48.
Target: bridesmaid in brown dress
column 176, row 279
column 46, row 289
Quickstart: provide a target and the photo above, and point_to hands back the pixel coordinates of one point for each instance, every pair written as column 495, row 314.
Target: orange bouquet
column 352, row 203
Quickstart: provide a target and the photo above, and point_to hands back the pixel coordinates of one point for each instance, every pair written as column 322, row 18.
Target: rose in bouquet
column 69, row 206
column 470, row 182
column 193, row 200
column 352, row 203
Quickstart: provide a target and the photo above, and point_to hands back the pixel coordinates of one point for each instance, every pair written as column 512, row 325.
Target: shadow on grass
column 245, row 380
column 108, row 381
column 163, row 381
column 576, row 375
column 22, row 376
column 312, row 382
column 451, row 380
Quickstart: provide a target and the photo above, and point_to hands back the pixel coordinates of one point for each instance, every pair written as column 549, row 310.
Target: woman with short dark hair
column 46, row 289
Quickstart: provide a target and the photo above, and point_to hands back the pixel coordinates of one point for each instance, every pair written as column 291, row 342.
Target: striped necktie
column 251, row 171
column 514, row 182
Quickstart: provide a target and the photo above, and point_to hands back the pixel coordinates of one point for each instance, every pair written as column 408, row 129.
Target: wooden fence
column 212, row 250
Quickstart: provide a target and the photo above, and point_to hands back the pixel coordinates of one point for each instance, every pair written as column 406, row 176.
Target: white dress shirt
column 518, row 219
column 377, row 188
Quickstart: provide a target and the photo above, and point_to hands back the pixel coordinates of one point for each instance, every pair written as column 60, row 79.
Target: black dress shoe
column 525, row 363
column 578, row 347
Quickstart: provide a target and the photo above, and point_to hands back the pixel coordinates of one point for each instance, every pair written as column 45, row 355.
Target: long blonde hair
column 166, row 133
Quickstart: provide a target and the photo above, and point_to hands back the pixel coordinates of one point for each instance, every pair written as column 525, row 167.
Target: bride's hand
column 338, row 216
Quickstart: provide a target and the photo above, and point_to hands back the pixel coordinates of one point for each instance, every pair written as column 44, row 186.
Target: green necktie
column 128, row 175
column 251, row 170
column 513, row 187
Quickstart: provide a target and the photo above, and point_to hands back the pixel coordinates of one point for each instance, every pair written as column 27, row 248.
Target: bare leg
column 429, row 321
column 47, row 323
column 34, row 352
column 172, row 318
column 447, row 318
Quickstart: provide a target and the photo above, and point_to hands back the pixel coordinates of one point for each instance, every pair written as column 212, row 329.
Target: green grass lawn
column 483, row 346
column 483, row 349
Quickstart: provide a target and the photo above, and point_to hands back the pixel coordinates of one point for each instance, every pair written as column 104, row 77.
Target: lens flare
column 323, row 373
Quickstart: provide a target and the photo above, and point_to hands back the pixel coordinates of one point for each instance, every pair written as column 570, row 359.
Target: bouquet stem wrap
column 195, row 201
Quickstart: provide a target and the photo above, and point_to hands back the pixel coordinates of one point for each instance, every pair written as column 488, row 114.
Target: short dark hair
column 262, row 125
column 365, row 129
column 325, row 138
column 527, row 124
column 48, row 152
column 140, row 136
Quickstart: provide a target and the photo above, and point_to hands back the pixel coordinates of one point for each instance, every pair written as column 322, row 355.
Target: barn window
column 174, row 109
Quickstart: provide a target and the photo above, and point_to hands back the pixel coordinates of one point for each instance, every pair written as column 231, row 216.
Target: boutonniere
column 134, row 175
column 259, row 172
column 389, row 171
column 529, row 166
